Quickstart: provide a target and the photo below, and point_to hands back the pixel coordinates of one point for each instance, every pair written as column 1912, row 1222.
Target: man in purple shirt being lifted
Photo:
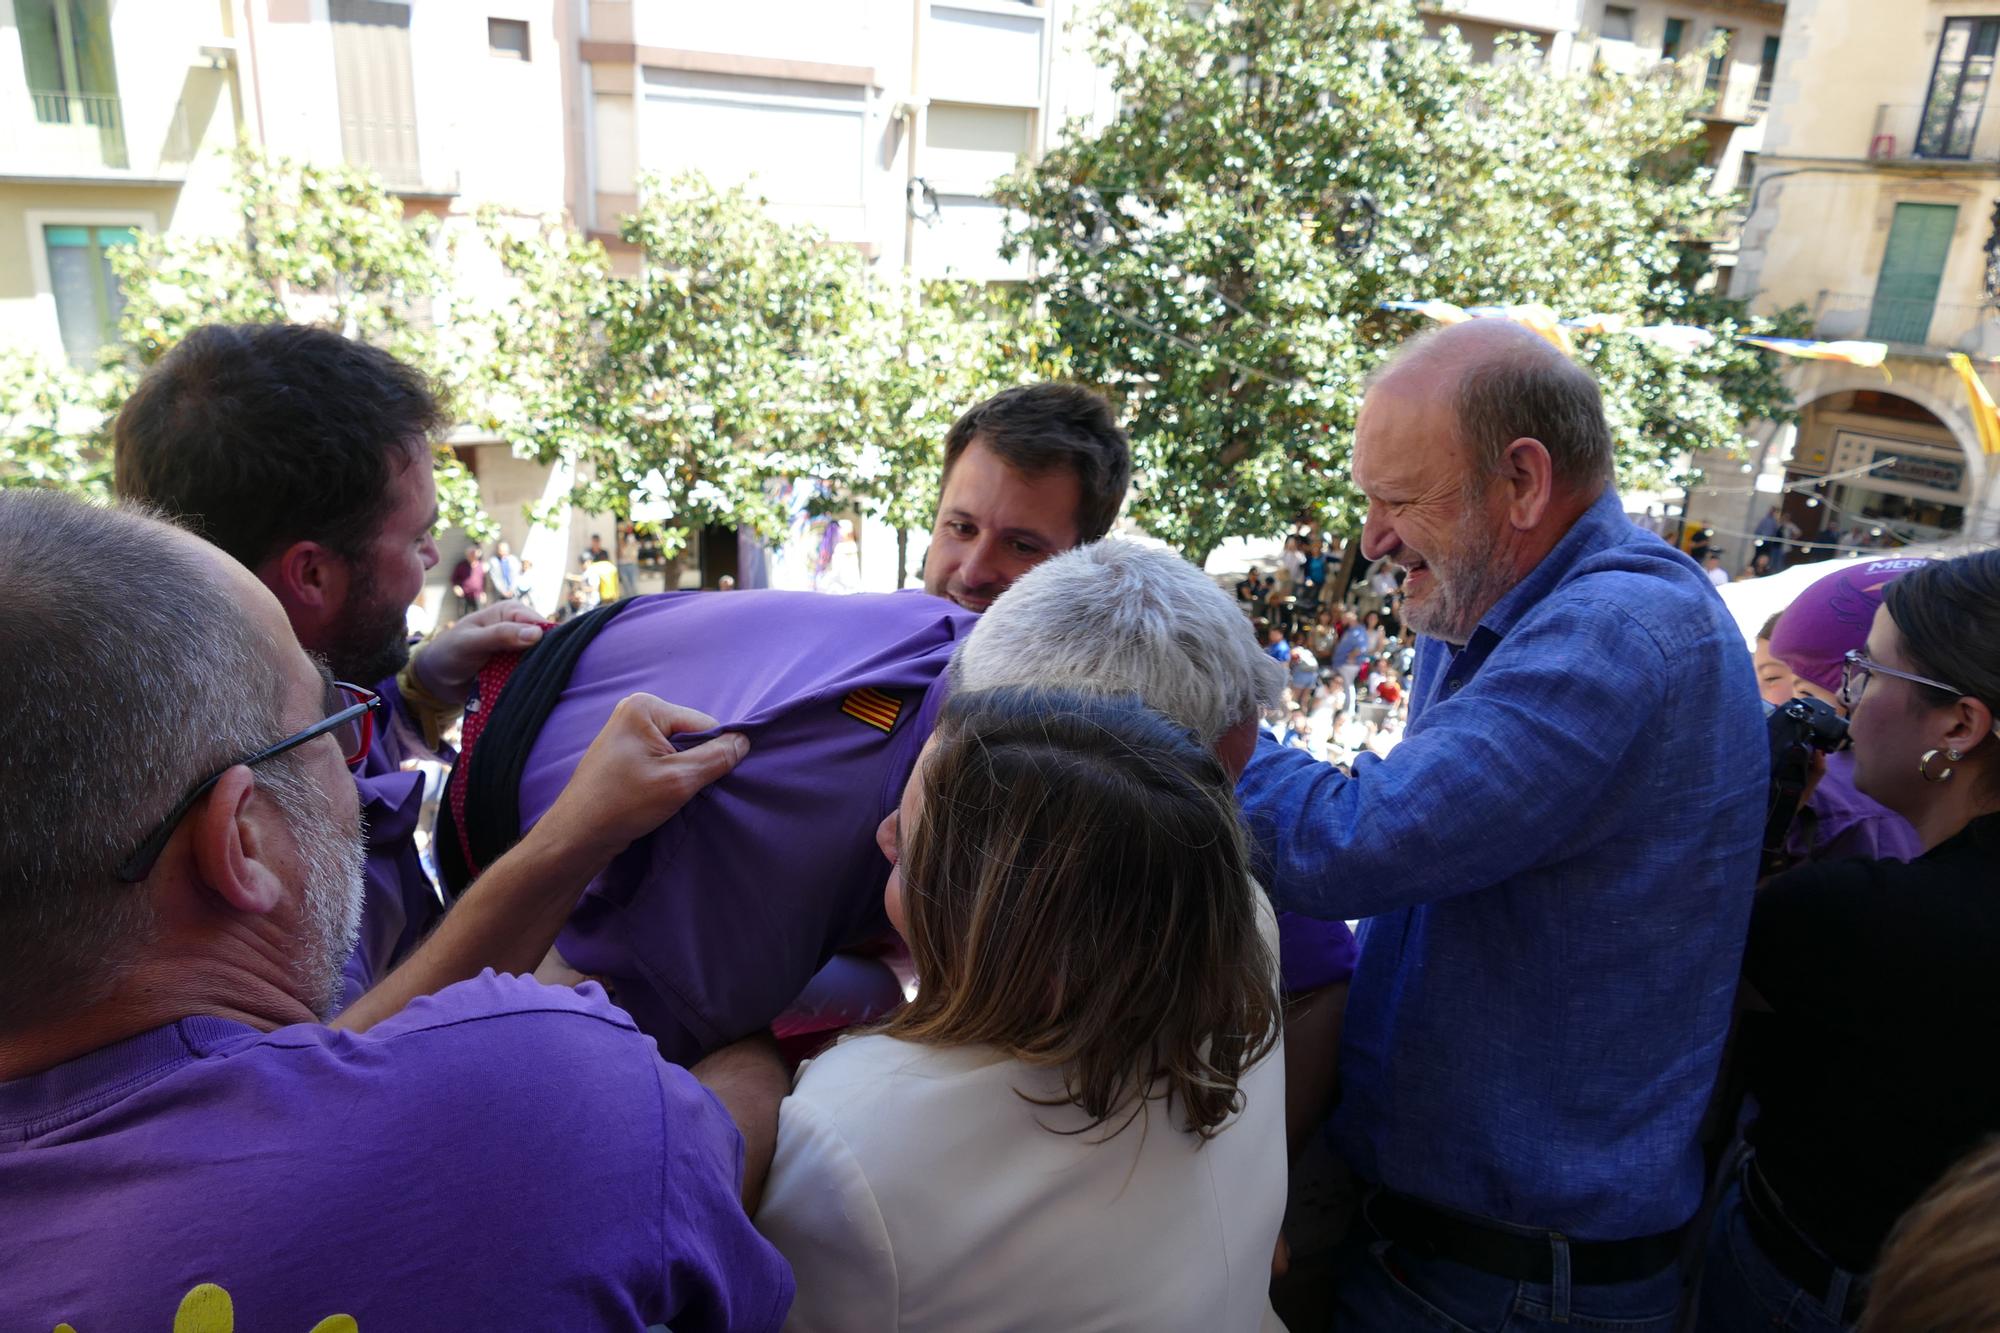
column 708, row 929
column 182, row 1140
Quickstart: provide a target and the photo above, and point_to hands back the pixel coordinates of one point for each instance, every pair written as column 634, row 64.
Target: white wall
column 179, row 116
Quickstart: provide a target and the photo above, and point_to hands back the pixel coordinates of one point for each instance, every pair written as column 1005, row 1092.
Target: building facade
column 117, row 118
column 1874, row 208
column 884, row 123
column 1730, row 48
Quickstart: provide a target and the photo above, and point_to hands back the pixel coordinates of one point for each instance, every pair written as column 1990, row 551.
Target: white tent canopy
column 1753, row 601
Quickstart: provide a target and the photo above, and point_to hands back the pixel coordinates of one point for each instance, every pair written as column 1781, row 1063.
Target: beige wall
column 177, row 105
column 834, row 109
column 1822, row 226
column 489, row 130
column 1845, row 59
column 1827, row 194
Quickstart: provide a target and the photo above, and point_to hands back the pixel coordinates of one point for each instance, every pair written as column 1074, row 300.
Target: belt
column 1789, row 1249
column 1434, row 1233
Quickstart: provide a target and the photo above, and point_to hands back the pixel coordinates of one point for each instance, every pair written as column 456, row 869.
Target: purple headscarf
column 1832, row 617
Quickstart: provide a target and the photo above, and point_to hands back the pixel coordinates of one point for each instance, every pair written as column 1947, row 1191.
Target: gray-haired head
column 1121, row 617
column 1513, row 383
column 125, row 688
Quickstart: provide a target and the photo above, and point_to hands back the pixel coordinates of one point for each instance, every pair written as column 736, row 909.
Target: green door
column 1912, row 264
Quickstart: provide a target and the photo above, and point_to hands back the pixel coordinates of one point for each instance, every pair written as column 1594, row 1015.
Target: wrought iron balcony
column 87, row 135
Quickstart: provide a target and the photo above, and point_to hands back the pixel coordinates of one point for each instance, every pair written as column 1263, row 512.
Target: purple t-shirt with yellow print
column 500, row 1155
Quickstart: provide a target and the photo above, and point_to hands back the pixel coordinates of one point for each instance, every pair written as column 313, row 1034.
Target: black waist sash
column 490, row 769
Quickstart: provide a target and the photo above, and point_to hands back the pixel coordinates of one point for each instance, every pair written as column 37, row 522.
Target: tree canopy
column 730, row 351
column 321, row 245
column 913, row 359
column 1216, row 255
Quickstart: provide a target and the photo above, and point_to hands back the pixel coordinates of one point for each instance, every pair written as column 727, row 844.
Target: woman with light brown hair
column 1076, row 1123
column 1940, row 1271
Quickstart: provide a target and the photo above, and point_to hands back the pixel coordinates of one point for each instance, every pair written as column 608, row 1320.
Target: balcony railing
column 1729, row 99
column 1902, row 135
column 1944, row 325
column 92, row 116
column 87, row 135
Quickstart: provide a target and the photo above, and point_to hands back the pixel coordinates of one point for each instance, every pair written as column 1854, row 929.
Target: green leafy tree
column 325, row 245
column 1216, row 256
column 684, row 387
column 49, row 425
column 914, row 357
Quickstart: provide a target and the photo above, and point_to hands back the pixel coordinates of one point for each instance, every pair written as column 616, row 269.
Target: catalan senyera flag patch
column 870, row 705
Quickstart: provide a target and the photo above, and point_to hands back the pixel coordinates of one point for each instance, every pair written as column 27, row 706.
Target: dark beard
column 374, row 641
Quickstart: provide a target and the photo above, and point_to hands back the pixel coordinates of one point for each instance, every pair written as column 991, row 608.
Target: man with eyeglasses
column 307, row 456
column 181, row 1139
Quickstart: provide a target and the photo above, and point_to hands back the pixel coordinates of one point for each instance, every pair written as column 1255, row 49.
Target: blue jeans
column 1389, row 1290
column 1741, row 1289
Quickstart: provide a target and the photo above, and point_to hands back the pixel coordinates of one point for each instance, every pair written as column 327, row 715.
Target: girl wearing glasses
column 1871, row 985
column 1078, row 1123
column 1810, row 643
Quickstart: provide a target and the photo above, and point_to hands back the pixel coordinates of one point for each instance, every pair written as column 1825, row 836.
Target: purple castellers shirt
column 399, row 901
column 499, row 1155
column 711, row 926
column 715, row 923
column 1848, row 823
column 1312, row 954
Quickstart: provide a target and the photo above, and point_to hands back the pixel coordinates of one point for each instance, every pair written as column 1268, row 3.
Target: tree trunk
column 671, row 567
column 902, row 557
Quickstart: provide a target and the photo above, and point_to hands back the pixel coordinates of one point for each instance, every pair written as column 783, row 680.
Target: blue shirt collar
column 1602, row 525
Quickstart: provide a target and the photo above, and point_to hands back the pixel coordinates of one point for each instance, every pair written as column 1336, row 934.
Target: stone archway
column 1933, row 388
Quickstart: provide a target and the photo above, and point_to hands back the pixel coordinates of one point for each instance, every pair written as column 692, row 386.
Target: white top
column 913, row 1190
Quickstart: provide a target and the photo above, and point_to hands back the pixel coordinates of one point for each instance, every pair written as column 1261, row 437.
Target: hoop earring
column 1924, row 766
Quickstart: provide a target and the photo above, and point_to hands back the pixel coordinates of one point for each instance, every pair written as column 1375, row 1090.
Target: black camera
column 1796, row 730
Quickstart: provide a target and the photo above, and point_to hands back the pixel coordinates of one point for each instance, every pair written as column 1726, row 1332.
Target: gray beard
column 331, row 893
column 331, row 919
column 1464, row 586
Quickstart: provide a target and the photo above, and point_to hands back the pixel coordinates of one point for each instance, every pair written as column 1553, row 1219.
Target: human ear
column 238, row 849
column 1969, row 724
column 1529, row 475
column 310, row 576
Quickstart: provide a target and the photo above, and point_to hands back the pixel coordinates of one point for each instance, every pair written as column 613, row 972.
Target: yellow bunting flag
column 1853, row 353
column 1984, row 415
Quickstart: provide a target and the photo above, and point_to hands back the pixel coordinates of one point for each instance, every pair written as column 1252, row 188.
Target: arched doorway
column 1872, row 469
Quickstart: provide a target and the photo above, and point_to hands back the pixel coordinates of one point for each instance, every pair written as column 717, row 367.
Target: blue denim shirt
column 1556, row 866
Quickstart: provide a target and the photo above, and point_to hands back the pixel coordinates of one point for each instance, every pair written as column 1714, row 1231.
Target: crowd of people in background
column 1345, row 659
column 981, row 957
column 483, row 578
column 1774, row 545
